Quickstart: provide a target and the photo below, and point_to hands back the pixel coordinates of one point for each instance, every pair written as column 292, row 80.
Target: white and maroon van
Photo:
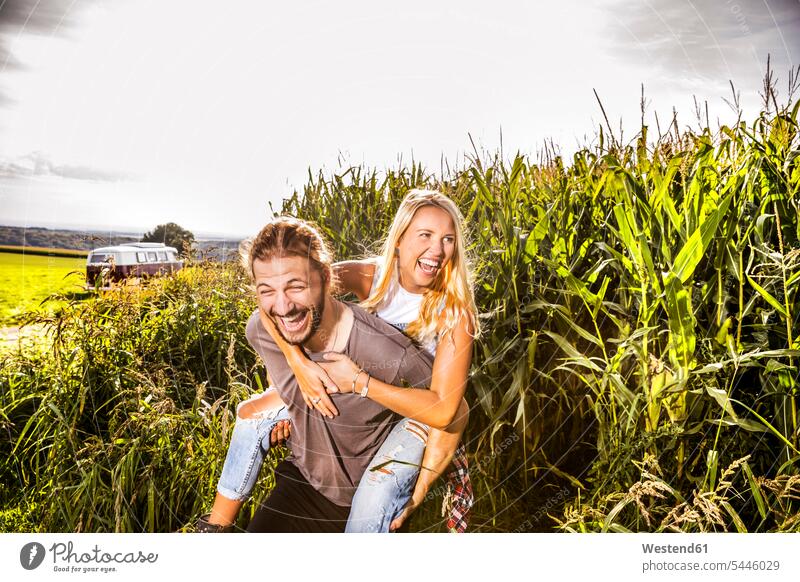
column 131, row 260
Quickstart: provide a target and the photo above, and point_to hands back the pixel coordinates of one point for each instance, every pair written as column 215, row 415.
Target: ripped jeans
column 249, row 443
column 388, row 482
column 382, row 493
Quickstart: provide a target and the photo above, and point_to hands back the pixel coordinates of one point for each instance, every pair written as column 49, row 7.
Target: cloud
column 712, row 40
column 38, row 164
column 19, row 17
column 31, row 17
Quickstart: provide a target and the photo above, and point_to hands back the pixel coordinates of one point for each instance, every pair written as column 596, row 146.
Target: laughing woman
column 421, row 284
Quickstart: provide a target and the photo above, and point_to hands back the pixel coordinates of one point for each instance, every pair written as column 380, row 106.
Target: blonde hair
column 453, row 284
column 286, row 236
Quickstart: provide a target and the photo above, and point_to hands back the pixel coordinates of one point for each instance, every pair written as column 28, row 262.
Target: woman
column 421, row 285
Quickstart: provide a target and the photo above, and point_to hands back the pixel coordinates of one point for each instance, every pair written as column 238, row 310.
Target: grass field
column 47, row 251
column 26, row 280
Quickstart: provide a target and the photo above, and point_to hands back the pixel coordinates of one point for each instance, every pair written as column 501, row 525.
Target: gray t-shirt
column 332, row 454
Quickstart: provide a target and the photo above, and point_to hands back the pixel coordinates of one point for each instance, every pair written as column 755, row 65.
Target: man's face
column 292, row 293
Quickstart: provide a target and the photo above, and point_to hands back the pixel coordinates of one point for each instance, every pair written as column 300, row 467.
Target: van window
column 100, row 257
column 151, row 256
column 141, row 257
column 162, row 256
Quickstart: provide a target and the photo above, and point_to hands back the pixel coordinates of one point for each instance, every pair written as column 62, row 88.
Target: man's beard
column 295, row 338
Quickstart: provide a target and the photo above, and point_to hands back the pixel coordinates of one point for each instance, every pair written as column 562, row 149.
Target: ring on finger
column 316, row 400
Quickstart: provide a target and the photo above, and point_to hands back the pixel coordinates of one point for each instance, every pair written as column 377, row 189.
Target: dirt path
column 11, row 336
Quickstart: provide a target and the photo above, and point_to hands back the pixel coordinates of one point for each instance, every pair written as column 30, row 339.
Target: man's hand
column 281, row 432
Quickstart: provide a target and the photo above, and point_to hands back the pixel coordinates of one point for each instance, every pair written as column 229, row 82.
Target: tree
column 171, row 235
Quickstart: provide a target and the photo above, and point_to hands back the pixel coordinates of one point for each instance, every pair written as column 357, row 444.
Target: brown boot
column 203, row 526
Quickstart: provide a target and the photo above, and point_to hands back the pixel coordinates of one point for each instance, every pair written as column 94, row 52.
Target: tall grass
column 639, row 310
column 121, row 423
column 637, row 371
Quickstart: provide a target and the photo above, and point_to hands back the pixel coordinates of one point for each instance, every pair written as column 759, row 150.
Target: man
column 291, row 271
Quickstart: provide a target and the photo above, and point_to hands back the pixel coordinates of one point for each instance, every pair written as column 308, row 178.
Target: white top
column 400, row 307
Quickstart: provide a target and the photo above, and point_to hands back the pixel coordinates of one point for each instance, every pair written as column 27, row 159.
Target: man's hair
column 286, row 236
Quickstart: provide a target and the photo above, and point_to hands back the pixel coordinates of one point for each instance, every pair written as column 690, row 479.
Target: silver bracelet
column 353, row 387
column 366, row 387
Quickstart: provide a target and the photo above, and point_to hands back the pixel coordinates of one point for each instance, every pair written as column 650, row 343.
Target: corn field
column 637, row 369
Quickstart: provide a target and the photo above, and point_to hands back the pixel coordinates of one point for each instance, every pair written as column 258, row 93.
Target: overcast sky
column 127, row 114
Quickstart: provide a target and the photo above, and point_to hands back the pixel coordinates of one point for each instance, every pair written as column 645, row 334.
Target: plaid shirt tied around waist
column 459, row 498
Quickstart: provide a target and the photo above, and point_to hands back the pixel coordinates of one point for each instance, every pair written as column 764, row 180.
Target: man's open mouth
column 429, row 266
column 295, row 322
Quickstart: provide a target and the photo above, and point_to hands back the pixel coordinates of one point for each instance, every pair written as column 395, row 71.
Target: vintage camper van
column 130, row 260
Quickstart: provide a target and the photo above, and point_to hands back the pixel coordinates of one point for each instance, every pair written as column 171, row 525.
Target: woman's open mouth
column 295, row 322
column 428, row 266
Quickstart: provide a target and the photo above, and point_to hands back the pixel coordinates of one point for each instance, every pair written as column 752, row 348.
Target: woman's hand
column 315, row 384
column 341, row 370
column 312, row 380
column 412, row 504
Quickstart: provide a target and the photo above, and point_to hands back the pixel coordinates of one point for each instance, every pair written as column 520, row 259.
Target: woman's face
column 425, row 248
